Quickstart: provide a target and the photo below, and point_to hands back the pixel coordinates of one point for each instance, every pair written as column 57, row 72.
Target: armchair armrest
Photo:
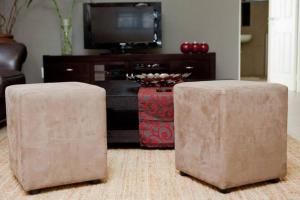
column 10, row 77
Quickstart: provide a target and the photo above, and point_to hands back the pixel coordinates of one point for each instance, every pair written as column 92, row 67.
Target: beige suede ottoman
column 57, row 133
column 231, row 133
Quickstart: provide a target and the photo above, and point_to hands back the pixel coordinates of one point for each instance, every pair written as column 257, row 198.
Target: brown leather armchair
column 12, row 57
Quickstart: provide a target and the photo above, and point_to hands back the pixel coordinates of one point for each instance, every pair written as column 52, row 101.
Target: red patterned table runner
column 156, row 118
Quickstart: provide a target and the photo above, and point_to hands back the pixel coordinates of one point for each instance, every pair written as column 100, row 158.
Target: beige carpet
column 150, row 174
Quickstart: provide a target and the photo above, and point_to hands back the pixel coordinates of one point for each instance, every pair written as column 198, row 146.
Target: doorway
column 254, row 40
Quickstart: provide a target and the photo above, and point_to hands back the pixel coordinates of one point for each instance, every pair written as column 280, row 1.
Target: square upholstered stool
column 231, row 133
column 57, row 133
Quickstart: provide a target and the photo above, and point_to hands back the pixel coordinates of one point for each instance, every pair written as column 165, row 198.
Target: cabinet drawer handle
column 189, row 67
column 69, row 69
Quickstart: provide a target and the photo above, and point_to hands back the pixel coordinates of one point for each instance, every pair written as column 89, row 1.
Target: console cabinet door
column 63, row 72
column 200, row 70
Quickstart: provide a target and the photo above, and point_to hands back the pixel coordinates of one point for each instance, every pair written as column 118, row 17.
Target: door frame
column 297, row 34
column 240, row 44
column 298, row 53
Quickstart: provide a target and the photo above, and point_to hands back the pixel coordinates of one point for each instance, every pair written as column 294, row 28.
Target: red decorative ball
column 204, row 47
column 186, row 47
column 196, row 47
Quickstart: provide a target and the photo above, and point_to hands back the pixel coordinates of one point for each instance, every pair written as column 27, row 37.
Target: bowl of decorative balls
column 158, row 80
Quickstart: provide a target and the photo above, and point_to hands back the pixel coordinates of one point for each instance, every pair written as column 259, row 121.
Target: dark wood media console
column 109, row 72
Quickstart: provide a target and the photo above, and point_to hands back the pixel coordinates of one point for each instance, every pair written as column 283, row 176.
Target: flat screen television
column 120, row 25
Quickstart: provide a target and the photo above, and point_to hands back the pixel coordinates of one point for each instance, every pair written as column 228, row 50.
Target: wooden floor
column 150, row 174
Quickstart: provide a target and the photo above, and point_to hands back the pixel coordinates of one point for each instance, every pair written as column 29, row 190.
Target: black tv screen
column 109, row 25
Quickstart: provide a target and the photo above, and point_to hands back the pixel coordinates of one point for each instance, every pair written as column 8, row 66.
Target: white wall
column 214, row 21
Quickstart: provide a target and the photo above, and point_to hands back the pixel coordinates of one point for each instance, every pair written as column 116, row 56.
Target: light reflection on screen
column 122, row 24
column 135, row 20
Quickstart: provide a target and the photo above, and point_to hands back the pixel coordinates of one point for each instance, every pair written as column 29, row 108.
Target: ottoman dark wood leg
column 183, row 174
column 94, row 182
column 225, row 191
column 33, row 192
column 276, row 180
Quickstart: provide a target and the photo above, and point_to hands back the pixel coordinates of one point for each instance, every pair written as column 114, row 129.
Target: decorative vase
column 6, row 38
column 204, row 47
column 66, row 37
column 186, row 47
column 196, row 47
